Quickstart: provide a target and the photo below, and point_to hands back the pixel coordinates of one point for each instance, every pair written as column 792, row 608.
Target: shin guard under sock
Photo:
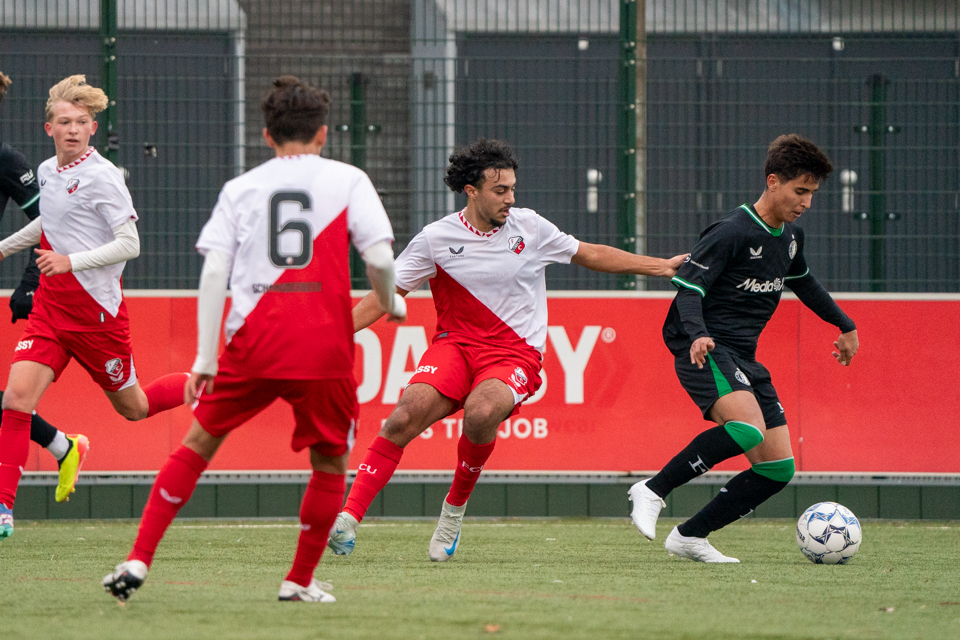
column 711, row 447
column 321, row 503
column 744, row 493
column 374, row 473
column 14, row 449
column 171, row 490
column 470, row 460
column 166, row 392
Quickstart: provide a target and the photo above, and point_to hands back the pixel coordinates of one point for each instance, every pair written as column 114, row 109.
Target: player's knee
column 778, row 470
column 746, row 435
column 15, row 401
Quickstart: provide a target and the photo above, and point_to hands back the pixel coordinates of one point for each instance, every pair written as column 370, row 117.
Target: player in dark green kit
column 729, row 288
column 18, row 182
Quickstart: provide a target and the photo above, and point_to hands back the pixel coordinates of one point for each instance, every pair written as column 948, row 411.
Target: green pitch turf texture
column 510, row 579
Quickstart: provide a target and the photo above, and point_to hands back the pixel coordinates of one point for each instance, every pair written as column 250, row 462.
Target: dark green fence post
column 627, row 136
column 108, row 77
column 878, row 171
column 358, row 122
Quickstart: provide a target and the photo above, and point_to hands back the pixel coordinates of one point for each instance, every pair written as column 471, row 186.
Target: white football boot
column 343, row 535
column 126, row 578
column 446, row 538
column 646, row 509
column 293, row 592
column 694, row 548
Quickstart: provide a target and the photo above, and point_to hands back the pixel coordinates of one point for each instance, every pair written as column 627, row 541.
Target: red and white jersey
column 80, row 204
column 488, row 287
column 288, row 225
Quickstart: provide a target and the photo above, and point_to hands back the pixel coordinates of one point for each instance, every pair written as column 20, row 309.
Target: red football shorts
column 324, row 411
column 106, row 355
column 456, row 368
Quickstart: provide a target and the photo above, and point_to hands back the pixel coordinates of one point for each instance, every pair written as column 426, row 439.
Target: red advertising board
column 610, row 402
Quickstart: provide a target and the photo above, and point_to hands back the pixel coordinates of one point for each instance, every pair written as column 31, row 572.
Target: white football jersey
column 288, row 225
column 488, row 286
column 80, row 204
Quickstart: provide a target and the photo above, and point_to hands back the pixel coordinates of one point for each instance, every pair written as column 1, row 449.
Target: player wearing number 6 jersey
column 87, row 231
column 486, row 268
column 281, row 233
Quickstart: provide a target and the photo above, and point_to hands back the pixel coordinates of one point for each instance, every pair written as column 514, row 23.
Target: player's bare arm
column 846, row 347
column 368, row 310
column 599, row 257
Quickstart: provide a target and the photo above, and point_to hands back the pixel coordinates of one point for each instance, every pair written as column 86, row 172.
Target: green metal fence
column 636, row 123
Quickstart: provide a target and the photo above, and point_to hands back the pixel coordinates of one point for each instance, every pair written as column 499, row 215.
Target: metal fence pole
column 627, row 136
column 108, row 76
column 878, row 186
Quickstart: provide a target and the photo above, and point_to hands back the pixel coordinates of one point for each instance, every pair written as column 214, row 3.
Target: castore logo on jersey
column 755, row 253
column 456, row 254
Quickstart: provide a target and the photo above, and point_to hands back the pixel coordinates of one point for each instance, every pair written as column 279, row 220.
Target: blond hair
column 76, row 91
column 5, row 82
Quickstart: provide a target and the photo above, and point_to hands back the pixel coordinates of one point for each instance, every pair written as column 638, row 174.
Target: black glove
column 21, row 302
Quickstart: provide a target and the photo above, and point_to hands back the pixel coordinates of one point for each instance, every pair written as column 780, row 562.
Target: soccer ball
column 828, row 533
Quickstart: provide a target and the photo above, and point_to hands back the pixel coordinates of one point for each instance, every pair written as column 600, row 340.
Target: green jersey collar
column 756, row 218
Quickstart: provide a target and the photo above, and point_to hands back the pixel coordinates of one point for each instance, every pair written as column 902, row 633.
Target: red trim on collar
column 77, row 161
column 294, row 156
column 469, row 226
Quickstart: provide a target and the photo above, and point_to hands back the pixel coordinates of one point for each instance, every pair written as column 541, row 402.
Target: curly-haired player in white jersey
column 87, row 231
column 281, row 234
column 486, row 269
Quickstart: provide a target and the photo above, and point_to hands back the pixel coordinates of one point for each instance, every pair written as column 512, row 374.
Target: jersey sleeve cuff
column 680, row 282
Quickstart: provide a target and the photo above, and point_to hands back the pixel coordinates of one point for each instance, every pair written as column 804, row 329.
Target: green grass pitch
column 562, row 579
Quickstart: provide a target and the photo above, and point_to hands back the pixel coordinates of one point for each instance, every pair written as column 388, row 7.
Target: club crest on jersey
column 792, row 251
column 73, row 185
column 742, row 379
column 26, row 178
column 114, row 369
column 755, row 253
column 516, row 244
column 456, row 253
column 518, row 378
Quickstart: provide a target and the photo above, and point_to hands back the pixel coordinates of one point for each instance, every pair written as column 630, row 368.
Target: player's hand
column 673, row 264
column 846, row 347
column 21, row 302
column 52, row 264
column 197, row 383
column 399, row 309
column 699, row 350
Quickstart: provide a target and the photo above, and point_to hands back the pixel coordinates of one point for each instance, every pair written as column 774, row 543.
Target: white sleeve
column 367, row 220
column 415, row 265
column 26, row 237
column 220, row 232
column 379, row 260
column 125, row 246
column 112, row 198
column 211, row 298
column 554, row 246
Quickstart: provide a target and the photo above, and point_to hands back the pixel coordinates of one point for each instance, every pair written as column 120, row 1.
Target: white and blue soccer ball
column 829, row 533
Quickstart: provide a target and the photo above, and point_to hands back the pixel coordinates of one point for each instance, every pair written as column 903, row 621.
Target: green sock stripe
column 779, row 470
column 745, row 434
column 723, row 387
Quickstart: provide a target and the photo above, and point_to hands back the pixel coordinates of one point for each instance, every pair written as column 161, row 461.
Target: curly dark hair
column 468, row 164
column 294, row 110
column 791, row 156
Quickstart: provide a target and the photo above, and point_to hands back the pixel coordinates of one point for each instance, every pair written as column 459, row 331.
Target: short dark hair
column 294, row 110
column 468, row 164
column 791, row 156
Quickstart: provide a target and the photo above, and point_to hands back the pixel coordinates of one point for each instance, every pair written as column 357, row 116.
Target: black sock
column 707, row 449
column 41, row 431
column 744, row 493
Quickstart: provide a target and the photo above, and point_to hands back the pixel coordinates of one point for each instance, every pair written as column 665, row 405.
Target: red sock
column 377, row 468
column 321, row 503
column 470, row 460
column 166, row 392
column 14, row 448
column 171, row 490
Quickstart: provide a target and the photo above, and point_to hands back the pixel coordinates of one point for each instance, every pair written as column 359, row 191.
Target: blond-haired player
column 87, row 231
